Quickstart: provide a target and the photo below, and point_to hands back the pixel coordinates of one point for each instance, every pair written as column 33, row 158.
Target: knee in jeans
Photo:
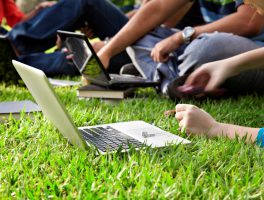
column 210, row 47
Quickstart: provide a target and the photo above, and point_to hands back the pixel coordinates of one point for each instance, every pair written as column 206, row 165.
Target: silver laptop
column 107, row 137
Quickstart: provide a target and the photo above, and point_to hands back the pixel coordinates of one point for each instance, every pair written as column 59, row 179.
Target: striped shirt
column 213, row 10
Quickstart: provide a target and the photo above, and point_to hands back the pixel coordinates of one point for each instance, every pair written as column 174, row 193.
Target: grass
column 36, row 162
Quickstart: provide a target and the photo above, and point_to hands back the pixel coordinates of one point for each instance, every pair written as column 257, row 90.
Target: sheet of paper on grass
column 63, row 83
column 16, row 108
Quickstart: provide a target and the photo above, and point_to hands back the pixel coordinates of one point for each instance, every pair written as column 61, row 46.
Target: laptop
column 90, row 66
column 107, row 137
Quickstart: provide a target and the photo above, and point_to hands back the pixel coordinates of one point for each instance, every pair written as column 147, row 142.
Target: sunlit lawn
column 37, row 162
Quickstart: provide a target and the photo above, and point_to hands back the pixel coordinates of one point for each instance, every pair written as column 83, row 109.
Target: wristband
column 260, row 138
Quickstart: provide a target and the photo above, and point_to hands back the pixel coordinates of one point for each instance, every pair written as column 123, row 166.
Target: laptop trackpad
column 149, row 134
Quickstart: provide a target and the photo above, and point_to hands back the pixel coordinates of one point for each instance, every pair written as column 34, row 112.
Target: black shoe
column 173, row 92
column 129, row 69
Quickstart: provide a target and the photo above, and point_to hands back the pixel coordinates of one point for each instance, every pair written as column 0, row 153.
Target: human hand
column 98, row 45
column 211, row 75
column 196, row 121
column 45, row 4
column 104, row 57
column 87, row 31
column 58, row 42
column 69, row 56
column 162, row 50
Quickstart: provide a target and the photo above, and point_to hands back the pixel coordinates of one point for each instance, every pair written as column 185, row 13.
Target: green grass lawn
column 36, row 162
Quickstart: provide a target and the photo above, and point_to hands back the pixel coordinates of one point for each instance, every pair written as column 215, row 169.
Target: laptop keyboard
column 109, row 139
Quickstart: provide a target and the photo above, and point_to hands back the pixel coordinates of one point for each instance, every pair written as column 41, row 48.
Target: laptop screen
column 83, row 58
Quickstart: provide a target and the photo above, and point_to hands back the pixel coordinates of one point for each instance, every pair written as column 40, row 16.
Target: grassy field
column 38, row 163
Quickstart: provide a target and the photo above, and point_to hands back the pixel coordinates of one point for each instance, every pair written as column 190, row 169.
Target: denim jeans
column 206, row 48
column 38, row 34
column 217, row 46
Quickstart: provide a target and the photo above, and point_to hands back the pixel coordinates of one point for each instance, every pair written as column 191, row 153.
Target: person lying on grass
column 210, row 76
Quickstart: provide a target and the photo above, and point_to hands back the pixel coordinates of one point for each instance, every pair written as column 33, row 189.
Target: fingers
column 179, row 115
column 182, row 115
column 58, row 42
column 87, row 31
column 45, row 4
column 198, row 78
column 69, row 57
column 183, row 107
column 157, row 57
column 158, row 54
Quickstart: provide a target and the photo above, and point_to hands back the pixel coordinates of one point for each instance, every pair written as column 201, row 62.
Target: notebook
column 62, row 83
column 95, row 91
column 14, row 108
column 107, row 137
column 90, row 66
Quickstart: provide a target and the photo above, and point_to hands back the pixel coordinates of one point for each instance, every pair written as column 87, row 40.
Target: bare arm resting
column 245, row 22
column 196, row 121
column 151, row 15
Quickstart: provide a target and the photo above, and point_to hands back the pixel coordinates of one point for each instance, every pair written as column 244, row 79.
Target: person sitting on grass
column 13, row 15
column 211, row 76
column 32, row 37
column 217, row 39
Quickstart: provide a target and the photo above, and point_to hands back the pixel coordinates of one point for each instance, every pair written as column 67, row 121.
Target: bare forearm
column 232, row 131
column 245, row 17
column 250, row 60
column 148, row 17
column 245, row 22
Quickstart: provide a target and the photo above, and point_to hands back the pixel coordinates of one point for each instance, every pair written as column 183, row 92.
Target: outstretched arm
column 196, row 121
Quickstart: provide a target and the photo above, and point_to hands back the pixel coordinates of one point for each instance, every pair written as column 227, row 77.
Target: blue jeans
column 38, row 34
column 206, row 48
column 210, row 47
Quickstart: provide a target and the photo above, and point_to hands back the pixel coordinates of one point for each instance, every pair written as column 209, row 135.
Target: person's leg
column 51, row 64
column 39, row 33
column 217, row 46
